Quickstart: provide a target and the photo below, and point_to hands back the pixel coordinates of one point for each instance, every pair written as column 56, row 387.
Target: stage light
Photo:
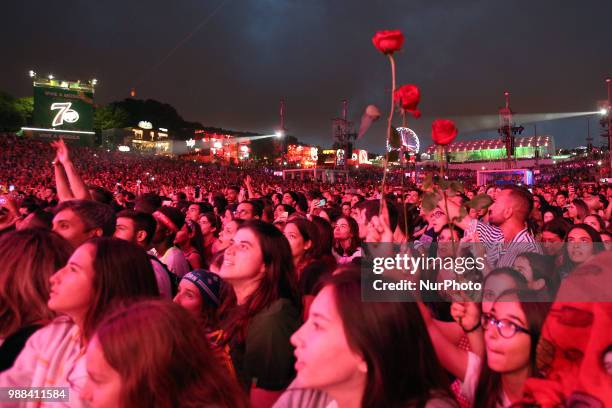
column 279, row 133
column 94, row 81
column 51, row 76
column 599, row 163
column 32, row 74
column 603, row 111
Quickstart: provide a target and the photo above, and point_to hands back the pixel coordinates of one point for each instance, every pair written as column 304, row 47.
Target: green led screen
column 61, row 108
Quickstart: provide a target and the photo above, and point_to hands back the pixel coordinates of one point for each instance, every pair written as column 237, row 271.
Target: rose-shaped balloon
column 370, row 115
column 408, row 97
column 443, row 131
column 388, row 41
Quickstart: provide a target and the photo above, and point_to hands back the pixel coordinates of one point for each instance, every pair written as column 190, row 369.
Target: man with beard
column 506, row 235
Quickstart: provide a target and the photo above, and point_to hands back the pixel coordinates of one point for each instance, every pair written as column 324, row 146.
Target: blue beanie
column 208, row 283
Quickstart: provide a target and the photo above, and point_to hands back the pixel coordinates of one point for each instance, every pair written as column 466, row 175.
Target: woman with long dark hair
column 595, row 221
column 301, row 235
column 512, row 330
column 151, row 354
column 509, row 327
column 364, row 354
column 554, row 233
column 539, row 272
column 346, row 240
column 577, row 211
column 101, row 272
column 210, row 225
column 190, row 240
column 311, row 255
column 582, row 243
column 261, row 310
column 28, row 258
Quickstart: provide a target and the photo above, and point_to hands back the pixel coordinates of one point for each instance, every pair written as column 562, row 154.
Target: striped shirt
column 522, row 242
column 499, row 253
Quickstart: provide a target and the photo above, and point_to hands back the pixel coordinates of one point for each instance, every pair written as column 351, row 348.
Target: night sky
column 553, row 56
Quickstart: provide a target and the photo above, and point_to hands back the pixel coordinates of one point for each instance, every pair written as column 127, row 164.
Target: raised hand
column 61, row 151
column 466, row 314
column 379, row 228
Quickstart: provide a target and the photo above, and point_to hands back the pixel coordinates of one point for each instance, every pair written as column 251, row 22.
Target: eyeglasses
column 505, row 327
column 437, row 214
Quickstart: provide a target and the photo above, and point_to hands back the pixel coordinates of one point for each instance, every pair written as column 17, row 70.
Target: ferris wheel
column 409, row 140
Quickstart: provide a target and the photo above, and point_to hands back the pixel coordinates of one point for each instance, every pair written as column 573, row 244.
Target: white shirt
column 176, row 261
column 52, row 357
column 470, row 382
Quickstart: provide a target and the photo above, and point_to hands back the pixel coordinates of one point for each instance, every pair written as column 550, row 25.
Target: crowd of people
column 156, row 282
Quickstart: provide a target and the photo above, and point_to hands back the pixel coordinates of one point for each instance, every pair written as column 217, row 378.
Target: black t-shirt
column 13, row 344
column 265, row 360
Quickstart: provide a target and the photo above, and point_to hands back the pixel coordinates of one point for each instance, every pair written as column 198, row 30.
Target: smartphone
column 11, row 188
column 167, row 203
column 321, row 203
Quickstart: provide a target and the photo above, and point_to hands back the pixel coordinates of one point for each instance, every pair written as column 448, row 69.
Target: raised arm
column 61, row 182
column 249, row 186
column 75, row 183
column 452, row 358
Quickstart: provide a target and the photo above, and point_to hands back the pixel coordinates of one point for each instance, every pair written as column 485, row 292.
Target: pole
column 608, row 80
column 537, row 147
column 345, row 141
column 282, row 115
column 282, row 130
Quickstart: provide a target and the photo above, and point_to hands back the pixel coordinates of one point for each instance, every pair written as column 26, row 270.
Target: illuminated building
column 148, row 140
column 359, row 157
column 217, row 147
column 538, row 147
column 304, row 156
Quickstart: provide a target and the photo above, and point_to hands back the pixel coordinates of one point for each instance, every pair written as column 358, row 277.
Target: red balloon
column 443, row 131
column 388, row 41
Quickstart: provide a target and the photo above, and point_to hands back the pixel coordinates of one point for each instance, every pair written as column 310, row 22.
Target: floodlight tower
column 589, row 139
column 507, row 129
column 343, row 133
column 609, row 115
column 282, row 131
